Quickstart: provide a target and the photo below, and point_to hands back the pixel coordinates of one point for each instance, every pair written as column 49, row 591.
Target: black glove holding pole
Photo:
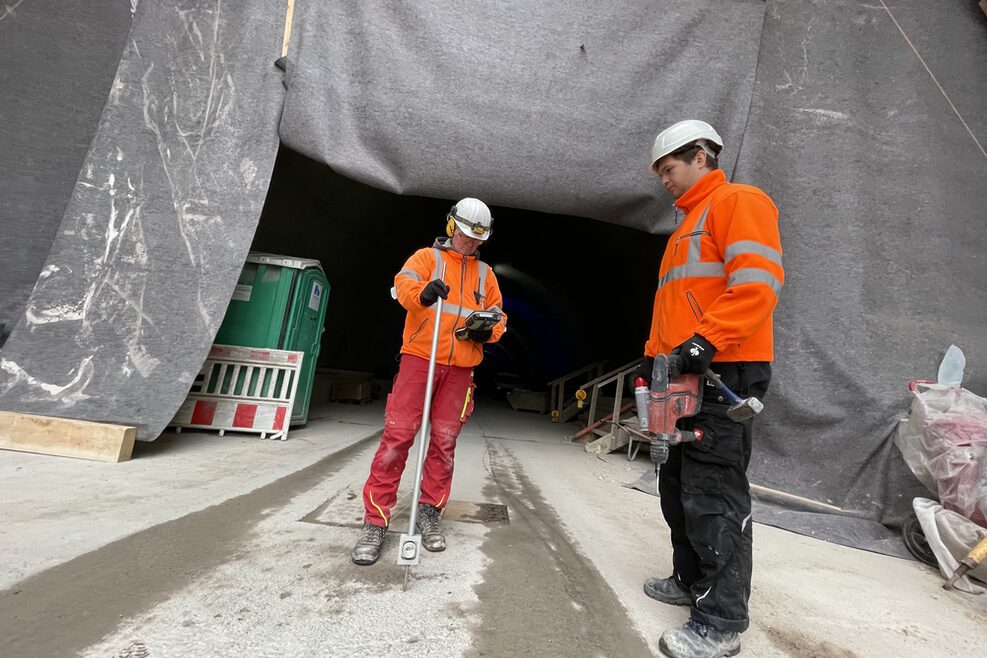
column 692, row 356
column 432, row 291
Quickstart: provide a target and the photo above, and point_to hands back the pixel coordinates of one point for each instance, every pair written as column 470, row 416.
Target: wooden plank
column 983, row 5
column 66, row 438
column 288, row 16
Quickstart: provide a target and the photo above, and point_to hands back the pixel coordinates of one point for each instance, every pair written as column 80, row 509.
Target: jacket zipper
column 687, row 235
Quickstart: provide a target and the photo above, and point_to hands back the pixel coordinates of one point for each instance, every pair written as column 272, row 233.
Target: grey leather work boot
column 428, row 525
column 694, row 639
column 668, row 590
column 367, row 548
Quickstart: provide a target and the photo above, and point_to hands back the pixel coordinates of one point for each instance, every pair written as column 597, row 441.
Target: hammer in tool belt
column 741, row 409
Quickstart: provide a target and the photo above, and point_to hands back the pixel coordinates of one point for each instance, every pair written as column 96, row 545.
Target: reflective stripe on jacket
column 472, row 287
column 721, row 273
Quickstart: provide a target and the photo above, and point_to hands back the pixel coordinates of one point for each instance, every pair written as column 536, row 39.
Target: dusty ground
column 208, row 546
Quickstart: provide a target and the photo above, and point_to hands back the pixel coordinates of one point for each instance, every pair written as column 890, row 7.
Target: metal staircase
column 604, row 434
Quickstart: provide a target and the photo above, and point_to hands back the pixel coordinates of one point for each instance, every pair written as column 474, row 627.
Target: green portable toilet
column 280, row 303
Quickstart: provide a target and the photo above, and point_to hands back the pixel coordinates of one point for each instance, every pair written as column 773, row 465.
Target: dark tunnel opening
column 575, row 290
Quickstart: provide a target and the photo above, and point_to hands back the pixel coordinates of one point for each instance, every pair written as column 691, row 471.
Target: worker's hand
column 432, row 291
column 474, row 335
column 479, row 335
column 692, row 356
column 643, row 369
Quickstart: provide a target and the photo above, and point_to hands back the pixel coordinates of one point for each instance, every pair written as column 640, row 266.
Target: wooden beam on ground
column 66, row 438
column 288, row 16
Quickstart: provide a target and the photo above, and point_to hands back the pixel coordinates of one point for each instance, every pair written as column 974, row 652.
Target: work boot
column 668, row 590
column 367, row 548
column 694, row 639
column 428, row 525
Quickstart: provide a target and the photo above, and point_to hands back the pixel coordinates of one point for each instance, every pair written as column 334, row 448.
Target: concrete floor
column 233, row 546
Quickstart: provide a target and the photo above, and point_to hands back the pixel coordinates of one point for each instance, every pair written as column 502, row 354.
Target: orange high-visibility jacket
column 721, row 273
column 472, row 287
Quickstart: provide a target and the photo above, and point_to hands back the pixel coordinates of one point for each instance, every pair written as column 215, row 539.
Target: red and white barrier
column 243, row 389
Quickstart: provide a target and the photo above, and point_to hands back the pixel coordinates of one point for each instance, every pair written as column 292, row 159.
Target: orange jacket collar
column 701, row 189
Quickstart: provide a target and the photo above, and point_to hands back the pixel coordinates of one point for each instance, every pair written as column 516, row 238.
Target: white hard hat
column 682, row 134
column 473, row 218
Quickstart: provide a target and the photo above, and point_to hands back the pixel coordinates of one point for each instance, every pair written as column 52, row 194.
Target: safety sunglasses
column 475, row 227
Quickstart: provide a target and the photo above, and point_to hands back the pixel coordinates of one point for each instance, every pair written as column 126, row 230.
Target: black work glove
column 475, row 335
column 432, row 291
column 692, row 356
column 643, row 369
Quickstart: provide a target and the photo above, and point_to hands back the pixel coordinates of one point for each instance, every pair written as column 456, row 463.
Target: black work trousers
column 705, row 498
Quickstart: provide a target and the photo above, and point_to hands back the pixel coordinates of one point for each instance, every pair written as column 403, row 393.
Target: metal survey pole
column 411, row 542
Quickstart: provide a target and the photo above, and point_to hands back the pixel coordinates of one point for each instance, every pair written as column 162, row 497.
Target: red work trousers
column 452, row 404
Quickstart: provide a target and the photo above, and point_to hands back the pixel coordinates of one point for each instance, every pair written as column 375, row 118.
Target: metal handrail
column 572, row 374
column 609, row 375
column 617, row 375
column 557, row 388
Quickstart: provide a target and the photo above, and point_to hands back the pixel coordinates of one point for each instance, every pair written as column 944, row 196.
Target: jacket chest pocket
column 695, row 237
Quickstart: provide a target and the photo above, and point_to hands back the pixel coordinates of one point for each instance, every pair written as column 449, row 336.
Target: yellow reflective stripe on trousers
column 466, row 404
column 379, row 510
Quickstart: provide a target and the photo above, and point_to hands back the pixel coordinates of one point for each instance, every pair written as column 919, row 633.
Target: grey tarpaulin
column 880, row 184
column 881, row 189
column 57, row 61
column 159, row 221
column 549, row 106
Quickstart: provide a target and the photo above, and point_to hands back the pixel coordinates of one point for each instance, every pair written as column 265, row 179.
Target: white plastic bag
column 951, row 537
column 944, row 443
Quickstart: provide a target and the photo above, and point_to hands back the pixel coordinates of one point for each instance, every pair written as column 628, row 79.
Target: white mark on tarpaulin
column 137, row 306
column 133, row 6
column 829, row 114
column 10, row 9
column 68, row 395
column 798, row 84
column 204, row 312
column 48, row 271
column 120, row 158
column 116, row 91
column 934, row 79
column 249, row 170
column 63, row 313
column 89, row 171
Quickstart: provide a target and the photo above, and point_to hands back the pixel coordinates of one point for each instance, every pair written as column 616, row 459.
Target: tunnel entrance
column 575, row 290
